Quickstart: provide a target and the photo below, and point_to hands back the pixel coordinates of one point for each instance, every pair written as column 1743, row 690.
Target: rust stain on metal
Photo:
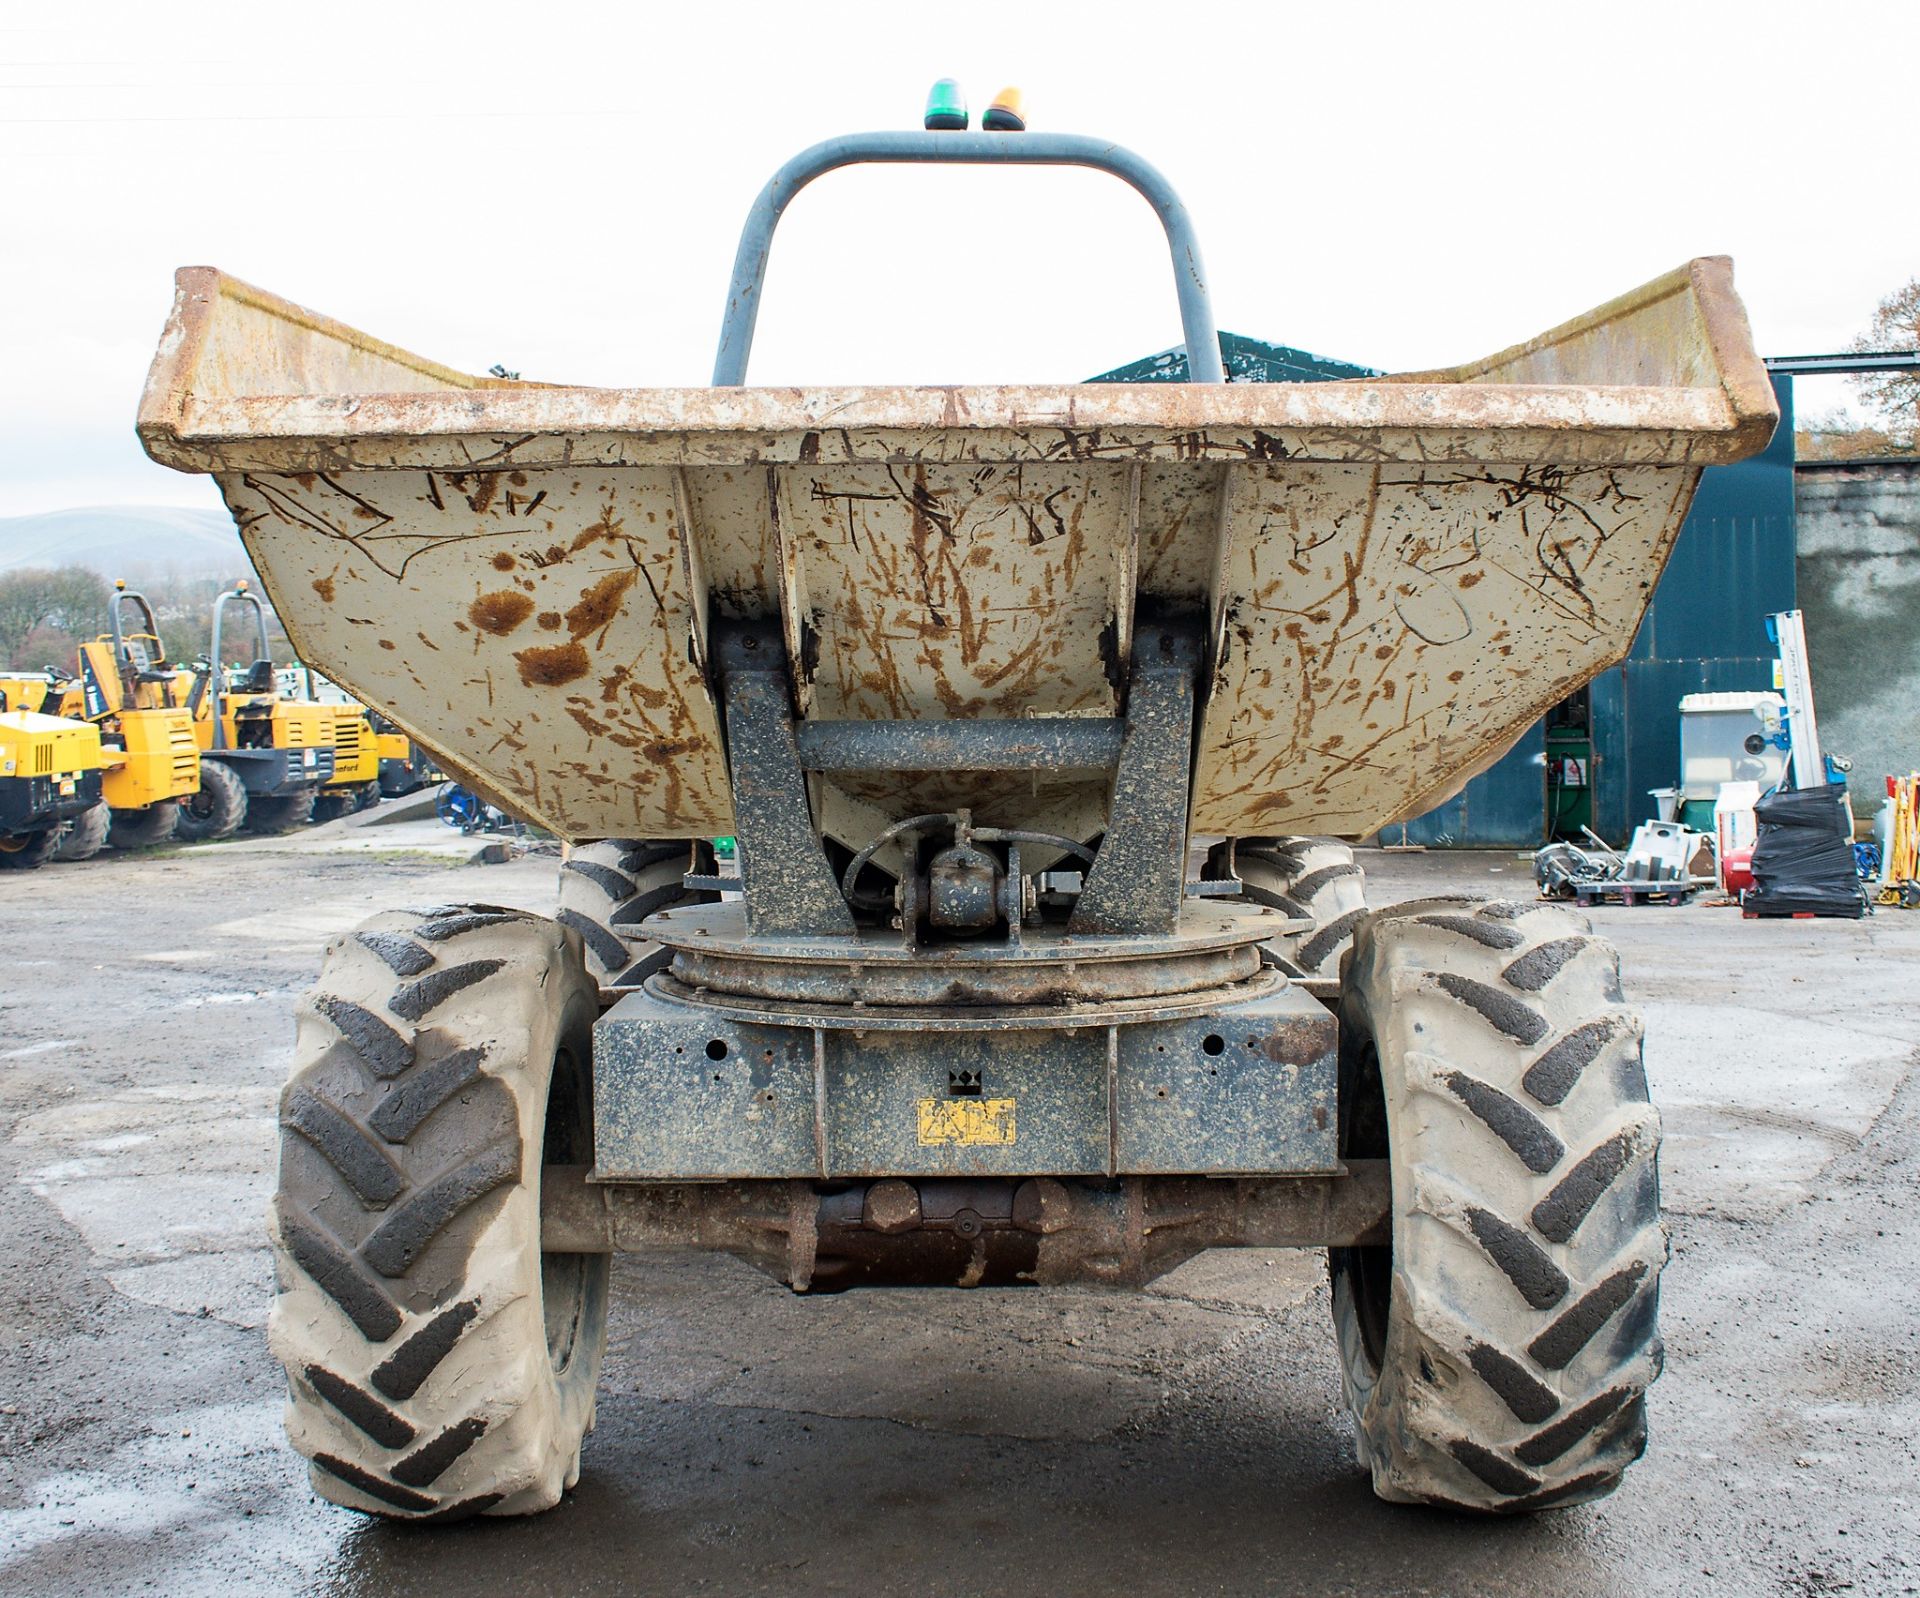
column 323, row 586
column 607, row 527
column 599, row 604
column 499, row 612
column 1041, row 1231
column 1667, row 372
column 1375, row 611
column 550, row 666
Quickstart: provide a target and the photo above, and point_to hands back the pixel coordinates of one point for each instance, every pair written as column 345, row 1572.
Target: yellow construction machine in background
column 133, row 749
column 50, row 773
column 356, row 764
column 373, row 759
column 404, row 766
column 262, row 758
column 356, row 747
column 126, row 689
column 28, row 690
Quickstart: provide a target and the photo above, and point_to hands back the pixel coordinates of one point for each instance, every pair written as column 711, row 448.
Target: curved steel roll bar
column 975, row 149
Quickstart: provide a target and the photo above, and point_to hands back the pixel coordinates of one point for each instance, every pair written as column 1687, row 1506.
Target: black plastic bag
column 1803, row 856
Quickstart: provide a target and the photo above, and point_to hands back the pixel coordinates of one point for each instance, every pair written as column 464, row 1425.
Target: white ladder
column 1803, row 733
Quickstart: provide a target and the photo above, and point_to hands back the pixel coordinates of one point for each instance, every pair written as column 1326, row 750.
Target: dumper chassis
column 977, row 1009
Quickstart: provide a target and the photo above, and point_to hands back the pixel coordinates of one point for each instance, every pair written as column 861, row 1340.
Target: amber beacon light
column 1007, row 113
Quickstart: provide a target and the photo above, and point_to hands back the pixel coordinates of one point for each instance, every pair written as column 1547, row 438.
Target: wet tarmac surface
column 1186, row 1440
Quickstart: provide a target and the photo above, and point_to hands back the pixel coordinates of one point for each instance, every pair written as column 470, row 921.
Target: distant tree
column 1836, row 435
column 49, row 647
column 49, row 606
column 1895, row 326
column 46, row 611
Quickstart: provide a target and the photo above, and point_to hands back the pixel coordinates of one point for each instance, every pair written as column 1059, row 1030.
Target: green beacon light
column 946, row 107
column 1007, row 114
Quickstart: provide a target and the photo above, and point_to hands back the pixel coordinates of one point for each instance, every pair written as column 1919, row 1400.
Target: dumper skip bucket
column 1393, row 577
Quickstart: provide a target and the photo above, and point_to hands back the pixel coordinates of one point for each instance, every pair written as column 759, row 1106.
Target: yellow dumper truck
column 357, row 756
column 977, row 677
column 263, row 758
column 126, row 688
column 356, row 764
column 50, row 773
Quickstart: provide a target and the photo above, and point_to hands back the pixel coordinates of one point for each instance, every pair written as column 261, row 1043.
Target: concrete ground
column 1186, row 1440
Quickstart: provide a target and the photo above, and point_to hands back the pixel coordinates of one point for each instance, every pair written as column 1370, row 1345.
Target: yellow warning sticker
column 967, row 1122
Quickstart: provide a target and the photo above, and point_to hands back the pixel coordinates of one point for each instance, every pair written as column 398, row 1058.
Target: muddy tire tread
column 407, row 1214
column 225, row 796
column 144, row 829
column 607, row 888
column 35, row 852
column 1527, row 1238
column 1315, row 878
column 86, row 834
column 269, row 816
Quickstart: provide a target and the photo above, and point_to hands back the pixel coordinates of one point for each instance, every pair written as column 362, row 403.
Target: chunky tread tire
column 1317, row 878
column 1497, row 1356
column 268, row 815
column 439, row 1365
column 608, row 888
column 86, row 834
column 217, row 810
column 30, row 851
column 144, row 829
column 333, row 803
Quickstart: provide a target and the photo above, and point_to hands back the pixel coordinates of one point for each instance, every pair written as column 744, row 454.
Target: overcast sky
column 560, row 187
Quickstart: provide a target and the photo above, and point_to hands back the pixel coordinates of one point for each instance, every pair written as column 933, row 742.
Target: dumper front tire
column 270, row 815
column 216, row 809
column 608, row 888
column 86, row 835
column 1497, row 1354
column 144, row 829
column 1314, row 878
column 28, row 851
column 439, row 1364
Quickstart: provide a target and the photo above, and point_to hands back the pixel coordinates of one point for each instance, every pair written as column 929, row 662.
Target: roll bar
column 973, row 149
column 241, row 595
column 129, row 596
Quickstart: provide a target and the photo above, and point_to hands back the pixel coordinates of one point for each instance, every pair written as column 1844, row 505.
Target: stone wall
column 1858, row 578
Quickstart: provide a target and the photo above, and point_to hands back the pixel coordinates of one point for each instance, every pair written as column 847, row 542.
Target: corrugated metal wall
column 1706, row 632
column 1506, row 804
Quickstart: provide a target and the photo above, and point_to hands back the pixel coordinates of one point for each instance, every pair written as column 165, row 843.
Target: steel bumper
column 1243, row 1084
